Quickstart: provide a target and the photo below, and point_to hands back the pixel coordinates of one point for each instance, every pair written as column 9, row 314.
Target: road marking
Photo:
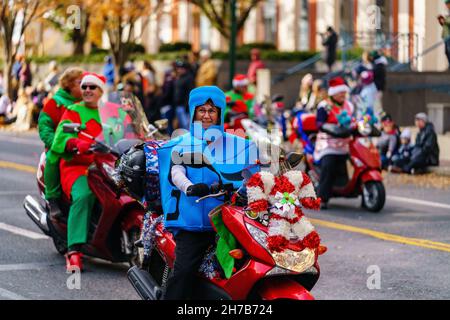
column 385, row 236
column 22, row 232
column 36, row 142
column 17, row 166
column 27, row 266
column 420, row 202
column 13, row 193
column 10, row 295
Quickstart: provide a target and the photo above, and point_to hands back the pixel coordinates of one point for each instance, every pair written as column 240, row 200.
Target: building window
column 270, row 21
column 303, row 25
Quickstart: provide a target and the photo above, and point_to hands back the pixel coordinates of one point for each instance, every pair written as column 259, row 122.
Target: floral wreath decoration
column 282, row 198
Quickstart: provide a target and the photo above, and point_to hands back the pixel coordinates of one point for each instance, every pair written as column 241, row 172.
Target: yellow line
column 376, row 234
column 385, row 236
column 16, row 166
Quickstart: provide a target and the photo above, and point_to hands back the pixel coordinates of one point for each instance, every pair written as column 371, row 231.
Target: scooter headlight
column 295, row 261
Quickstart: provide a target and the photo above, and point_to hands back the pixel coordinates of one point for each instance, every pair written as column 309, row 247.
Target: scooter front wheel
column 373, row 196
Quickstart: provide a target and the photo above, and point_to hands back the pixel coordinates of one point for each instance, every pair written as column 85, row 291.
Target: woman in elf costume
column 49, row 118
column 74, row 165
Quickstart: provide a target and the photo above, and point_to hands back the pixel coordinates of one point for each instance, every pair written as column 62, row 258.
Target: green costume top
column 75, row 165
column 51, row 114
column 247, row 98
column 89, row 119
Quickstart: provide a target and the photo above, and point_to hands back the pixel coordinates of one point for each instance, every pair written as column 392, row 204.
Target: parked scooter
column 260, row 273
column 117, row 218
column 364, row 178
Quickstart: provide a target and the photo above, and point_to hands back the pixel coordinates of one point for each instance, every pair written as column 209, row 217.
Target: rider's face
column 340, row 97
column 91, row 94
column 75, row 89
column 207, row 115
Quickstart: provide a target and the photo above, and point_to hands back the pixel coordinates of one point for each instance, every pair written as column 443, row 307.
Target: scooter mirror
column 71, row 127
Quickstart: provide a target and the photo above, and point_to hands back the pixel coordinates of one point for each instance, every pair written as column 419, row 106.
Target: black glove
column 198, row 190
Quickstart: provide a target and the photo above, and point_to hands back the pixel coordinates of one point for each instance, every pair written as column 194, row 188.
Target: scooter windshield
column 122, row 117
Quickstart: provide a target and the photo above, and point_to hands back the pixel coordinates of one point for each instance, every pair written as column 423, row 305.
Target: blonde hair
column 70, row 75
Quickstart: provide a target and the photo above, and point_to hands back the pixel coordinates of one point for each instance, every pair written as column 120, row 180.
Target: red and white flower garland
column 283, row 197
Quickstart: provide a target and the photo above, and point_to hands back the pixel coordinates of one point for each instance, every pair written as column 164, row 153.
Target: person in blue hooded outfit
column 189, row 165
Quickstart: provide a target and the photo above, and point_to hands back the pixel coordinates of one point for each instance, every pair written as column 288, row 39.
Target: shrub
column 176, row 46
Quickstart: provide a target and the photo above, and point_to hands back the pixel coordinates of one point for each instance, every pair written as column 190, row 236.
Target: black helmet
column 132, row 169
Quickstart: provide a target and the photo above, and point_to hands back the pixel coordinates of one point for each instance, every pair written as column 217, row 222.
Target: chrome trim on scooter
column 35, row 211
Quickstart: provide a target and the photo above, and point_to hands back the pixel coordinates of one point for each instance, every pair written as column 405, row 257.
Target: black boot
column 53, row 208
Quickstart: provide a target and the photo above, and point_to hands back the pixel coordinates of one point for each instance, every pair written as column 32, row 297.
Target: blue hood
column 200, row 96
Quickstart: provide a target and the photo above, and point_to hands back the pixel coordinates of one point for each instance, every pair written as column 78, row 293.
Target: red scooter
column 117, row 218
column 259, row 274
column 363, row 173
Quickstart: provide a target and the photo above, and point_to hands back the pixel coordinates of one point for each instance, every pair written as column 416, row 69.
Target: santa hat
column 240, row 80
column 337, row 85
column 93, row 78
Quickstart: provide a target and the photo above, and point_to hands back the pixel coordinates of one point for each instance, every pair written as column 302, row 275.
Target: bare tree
column 15, row 18
column 218, row 13
column 118, row 19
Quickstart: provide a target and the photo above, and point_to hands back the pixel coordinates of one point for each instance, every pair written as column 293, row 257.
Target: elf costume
column 244, row 102
column 74, row 167
column 49, row 119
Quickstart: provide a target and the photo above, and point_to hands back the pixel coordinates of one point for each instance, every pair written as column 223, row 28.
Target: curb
column 441, row 171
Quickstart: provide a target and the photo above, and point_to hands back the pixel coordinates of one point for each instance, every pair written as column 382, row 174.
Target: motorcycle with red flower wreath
column 266, row 247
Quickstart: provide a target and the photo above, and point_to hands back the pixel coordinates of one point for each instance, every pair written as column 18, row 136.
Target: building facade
column 404, row 28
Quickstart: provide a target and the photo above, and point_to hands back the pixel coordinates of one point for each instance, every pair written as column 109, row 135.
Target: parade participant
column 243, row 99
column 186, row 174
column 49, row 118
column 331, row 151
column 73, row 148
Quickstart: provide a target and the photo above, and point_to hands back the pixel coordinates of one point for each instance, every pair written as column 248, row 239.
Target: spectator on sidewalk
column 53, row 76
column 330, row 41
column 255, row 65
column 6, row 108
column 426, row 149
column 207, row 72
column 150, row 89
column 379, row 63
column 184, row 83
column 445, row 23
column 26, row 77
column 403, row 156
column 305, row 91
column 166, row 96
column 389, row 140
column 109, row 73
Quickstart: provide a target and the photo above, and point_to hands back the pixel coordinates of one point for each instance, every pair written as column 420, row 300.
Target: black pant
column 189, row 254
column 331, row 166
column 418, row 162
column 447, row 52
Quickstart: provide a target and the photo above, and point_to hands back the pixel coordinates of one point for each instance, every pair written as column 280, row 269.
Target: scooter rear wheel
column 373, row 196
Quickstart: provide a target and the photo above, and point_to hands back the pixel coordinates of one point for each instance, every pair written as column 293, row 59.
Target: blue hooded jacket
column 209, row 156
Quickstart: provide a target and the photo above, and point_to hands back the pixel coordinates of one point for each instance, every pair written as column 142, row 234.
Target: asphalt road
column 407, row 244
